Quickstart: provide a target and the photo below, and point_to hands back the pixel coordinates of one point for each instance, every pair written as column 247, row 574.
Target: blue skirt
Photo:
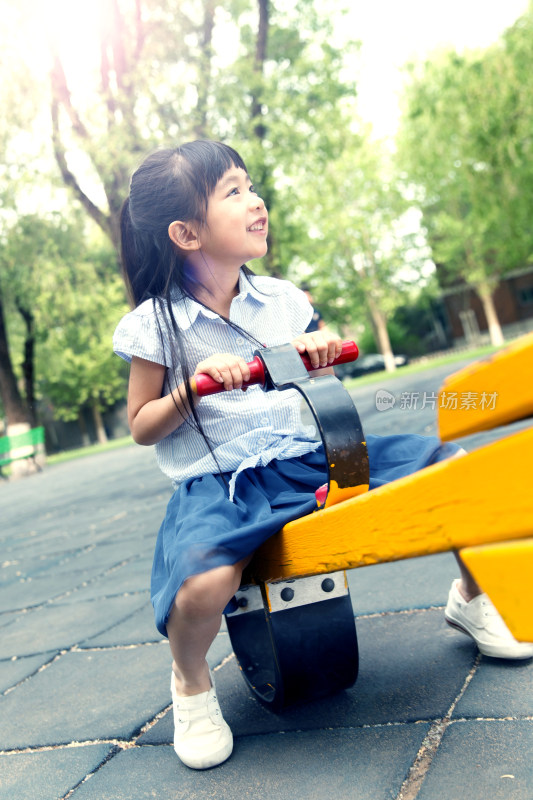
column 203, row 529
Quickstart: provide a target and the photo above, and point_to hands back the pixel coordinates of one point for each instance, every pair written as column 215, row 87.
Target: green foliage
column 360, row 239
column 338, row 209
column 465, row 141
column 52, row 270
column 77, row 365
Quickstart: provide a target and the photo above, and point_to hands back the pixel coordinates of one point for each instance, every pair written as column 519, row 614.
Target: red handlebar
column 203, row 384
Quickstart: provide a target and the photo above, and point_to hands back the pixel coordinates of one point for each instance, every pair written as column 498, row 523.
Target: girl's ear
column 184, row 235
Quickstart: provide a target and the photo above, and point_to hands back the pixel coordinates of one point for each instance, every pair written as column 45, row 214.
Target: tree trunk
column 101, row 435
column 379, row 322
column 487, row 300
column 377, row 316
column 259, row 68
column 15, row 409
column 263, row 175
column 201, row 128
column 28, row 365
column 85, row 438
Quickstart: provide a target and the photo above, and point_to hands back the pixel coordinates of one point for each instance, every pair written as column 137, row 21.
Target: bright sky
column 393, row 32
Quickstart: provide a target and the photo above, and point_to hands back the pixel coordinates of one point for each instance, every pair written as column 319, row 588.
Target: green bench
column 22, row 446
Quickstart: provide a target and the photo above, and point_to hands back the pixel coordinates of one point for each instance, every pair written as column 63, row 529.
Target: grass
column 89, row 450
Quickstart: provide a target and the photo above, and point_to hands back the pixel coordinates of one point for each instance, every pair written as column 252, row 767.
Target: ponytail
column 127, row 249
column 171, row 185
column 147, row 266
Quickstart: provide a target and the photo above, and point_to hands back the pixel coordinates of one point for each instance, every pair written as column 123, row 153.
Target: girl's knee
column 208, row 594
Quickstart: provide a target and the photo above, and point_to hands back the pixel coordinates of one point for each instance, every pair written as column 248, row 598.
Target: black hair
column 171, row 184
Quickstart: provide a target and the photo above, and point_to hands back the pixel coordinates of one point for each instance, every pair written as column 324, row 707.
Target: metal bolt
column 242, row 602
column 328, row 584
column 287, row 594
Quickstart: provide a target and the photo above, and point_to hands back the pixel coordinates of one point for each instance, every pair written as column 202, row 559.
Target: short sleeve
column 140, row 334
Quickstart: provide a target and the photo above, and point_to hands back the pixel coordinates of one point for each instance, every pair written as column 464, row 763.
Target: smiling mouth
column 258, row 226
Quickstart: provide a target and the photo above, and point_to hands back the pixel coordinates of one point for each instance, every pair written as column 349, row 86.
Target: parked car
column 373, row 362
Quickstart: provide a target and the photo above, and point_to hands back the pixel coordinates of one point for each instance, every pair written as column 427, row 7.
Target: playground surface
column 84, row 674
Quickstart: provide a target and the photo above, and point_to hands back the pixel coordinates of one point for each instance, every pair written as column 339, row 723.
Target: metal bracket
column 295, row 640
column 334, row 412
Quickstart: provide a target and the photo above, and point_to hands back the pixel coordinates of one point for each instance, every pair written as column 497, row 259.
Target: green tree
column 77, row 366
column 19, row 101
column 293, row 119
column 361, row 242
column 465, row 142
column 63, row 297
column 162, row 74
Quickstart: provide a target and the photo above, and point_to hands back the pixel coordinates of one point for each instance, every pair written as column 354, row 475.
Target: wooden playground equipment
column 293, row 631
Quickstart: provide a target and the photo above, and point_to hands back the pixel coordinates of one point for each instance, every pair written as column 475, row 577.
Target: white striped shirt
column 246, row 429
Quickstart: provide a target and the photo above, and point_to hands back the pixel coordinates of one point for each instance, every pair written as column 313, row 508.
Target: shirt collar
column 247, row 287
column 187, row 310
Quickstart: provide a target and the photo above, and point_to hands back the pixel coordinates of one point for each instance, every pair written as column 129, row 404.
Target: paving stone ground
column 84, row 674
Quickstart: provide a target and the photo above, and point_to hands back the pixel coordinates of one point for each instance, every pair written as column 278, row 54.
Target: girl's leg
column 202, row 738
column 195, row 621
column 468, row 587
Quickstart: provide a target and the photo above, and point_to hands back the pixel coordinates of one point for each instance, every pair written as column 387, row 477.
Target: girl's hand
column 231, row 370
column 322, row 347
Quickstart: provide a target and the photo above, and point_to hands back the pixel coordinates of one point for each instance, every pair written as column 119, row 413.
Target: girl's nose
column 257, row 202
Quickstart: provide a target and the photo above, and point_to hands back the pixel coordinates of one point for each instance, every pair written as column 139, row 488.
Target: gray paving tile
column 131, row 577
column 100, row 557
column 15, row 670
column 401, row 679
column 482, row 761
column 88, row 695
column 355, row 764
column 26, row 567
column 58, row 627
column 33, row 591
column 499, row 689
column 7, row 619
column 48, row 775
column 138, row 628
column 413, row 583
column 53, row 541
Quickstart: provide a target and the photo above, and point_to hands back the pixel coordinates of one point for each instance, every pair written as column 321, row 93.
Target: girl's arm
column 151, row 417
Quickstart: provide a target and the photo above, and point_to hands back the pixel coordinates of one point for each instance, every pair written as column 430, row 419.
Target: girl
column 242, row 463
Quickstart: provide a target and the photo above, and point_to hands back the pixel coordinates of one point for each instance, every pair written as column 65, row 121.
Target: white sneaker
column 480, row 620
column 202, row 738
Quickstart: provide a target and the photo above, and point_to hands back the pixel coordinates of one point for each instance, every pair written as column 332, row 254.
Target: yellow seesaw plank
column 475, row 499
column 505, row 572
column 488, row 393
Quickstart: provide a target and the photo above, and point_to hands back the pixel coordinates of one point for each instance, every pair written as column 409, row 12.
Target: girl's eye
column 235, row 190
column 253, row 189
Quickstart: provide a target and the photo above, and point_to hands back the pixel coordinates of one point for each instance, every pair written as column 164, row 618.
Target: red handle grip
column 203, row 384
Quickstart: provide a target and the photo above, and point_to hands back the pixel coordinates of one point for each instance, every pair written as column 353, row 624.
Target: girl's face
column 236, row 224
